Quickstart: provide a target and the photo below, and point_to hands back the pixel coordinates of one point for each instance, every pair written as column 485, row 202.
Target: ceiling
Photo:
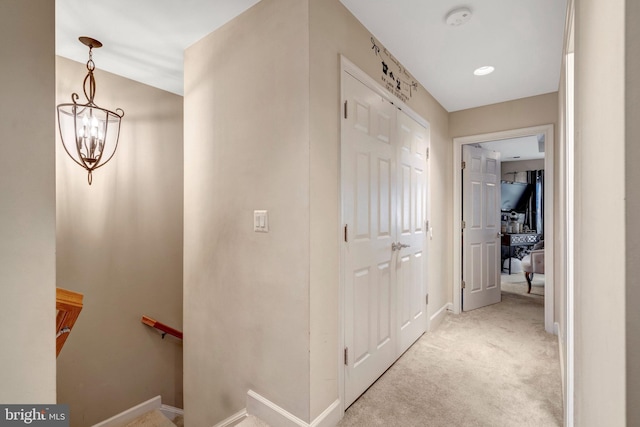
column 514, row 149
column 522, row 39
column 144, row 40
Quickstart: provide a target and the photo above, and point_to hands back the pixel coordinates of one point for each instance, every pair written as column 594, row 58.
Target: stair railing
column 165, row 329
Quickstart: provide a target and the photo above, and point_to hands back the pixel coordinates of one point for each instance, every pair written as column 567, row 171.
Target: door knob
column 398, row 246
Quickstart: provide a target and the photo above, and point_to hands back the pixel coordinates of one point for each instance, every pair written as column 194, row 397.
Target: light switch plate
column 261, row 221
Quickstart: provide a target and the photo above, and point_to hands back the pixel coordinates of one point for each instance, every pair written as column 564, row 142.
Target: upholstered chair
column 533, row 263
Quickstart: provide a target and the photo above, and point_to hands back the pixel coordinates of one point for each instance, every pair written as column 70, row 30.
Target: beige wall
column 277, row 320
column 334, row 31
column 119, row 242
column 600, row 214
column 247, row 148
column 521, row 113
column 27, row 202
column 632, row 178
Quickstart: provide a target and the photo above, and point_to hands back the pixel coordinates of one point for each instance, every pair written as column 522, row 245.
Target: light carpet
column 153, row 418
column 516, row 284
column 495, row 366
column 251, row 421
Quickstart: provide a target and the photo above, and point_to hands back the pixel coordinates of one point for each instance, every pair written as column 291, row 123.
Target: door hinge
column 426, row 224
column 427, row 153
column 464, row 225
column 346, row 231
column 427, row 299
column 345, row 109
column 346, row 356
column 464, row 165
column 464, row 285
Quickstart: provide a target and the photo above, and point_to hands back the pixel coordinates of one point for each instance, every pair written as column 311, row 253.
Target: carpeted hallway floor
column 517, row 284
column 495, row 366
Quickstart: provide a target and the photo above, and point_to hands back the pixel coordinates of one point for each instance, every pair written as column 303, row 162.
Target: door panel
column 384, row 201
column 481, row 218
column 412, row 288
column 363, row 197
column 368, row 169
column 385, row 316
column 362, row 292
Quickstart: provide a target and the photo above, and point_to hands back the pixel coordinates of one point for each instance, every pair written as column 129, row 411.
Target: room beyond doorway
column 548, row 132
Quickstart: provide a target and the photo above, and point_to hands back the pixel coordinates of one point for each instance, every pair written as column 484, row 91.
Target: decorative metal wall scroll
column 395, row 77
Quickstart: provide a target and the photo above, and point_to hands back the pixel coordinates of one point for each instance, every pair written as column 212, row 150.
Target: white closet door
column 368, row 181
column 411, row 272
column 384, row 207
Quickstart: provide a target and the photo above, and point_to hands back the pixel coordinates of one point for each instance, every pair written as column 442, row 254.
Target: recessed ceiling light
column 483, row 71
column 458, row 17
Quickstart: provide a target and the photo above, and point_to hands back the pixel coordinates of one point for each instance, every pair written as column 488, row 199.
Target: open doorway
column 522, row 227
column 545, row 133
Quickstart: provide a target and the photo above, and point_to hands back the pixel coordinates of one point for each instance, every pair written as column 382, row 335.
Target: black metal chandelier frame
column 91, row 145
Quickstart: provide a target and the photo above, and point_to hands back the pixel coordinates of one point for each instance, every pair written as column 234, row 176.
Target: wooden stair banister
column 165, row 329
column 68, row 306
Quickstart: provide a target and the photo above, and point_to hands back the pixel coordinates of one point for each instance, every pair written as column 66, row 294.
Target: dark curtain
column 534, row 215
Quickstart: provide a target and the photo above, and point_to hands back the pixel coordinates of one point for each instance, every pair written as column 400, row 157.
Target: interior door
column 411, row 257
column 480, row 227
column 384, row 178
column 368, row 181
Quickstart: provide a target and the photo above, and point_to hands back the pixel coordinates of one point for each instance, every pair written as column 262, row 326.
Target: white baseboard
column 233, row 420
column 171, row 412
column 436, row 319
column 123, row 418
column 329, row 417
column 272, row 414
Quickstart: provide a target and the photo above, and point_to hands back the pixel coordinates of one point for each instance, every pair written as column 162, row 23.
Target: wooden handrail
column 68, row 306
column 161, row 327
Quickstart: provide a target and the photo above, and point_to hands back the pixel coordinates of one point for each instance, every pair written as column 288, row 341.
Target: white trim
column 131, row 414
column 352, row 69
column 171, row 412
column 272, row 414
column 548, row 131
column 436, row 319
column 570, row 238
column 233, row 420
column 558, row 332
column 329, row 417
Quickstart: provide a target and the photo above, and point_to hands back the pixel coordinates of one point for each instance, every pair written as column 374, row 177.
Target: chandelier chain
column 89, row 80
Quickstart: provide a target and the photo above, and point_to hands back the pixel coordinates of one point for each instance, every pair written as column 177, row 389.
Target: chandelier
column 89, row 133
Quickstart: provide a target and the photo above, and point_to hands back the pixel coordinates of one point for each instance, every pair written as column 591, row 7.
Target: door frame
column 548, row 131
column 349, row 67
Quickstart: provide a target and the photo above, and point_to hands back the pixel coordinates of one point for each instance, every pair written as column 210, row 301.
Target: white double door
column 384, row 207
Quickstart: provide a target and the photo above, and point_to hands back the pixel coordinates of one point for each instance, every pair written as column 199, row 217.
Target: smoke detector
column 457, row 17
